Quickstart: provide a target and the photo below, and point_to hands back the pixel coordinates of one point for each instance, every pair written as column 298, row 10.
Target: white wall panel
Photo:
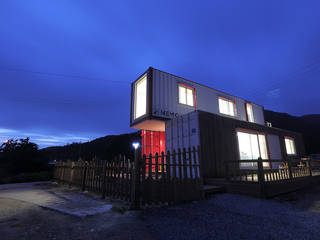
column 182, row 132
column 258, row 114
column 166, row 103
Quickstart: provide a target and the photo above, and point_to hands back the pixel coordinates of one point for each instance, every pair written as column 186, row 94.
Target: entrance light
column 135, row 145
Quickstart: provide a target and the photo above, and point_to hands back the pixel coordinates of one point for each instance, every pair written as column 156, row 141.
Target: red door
column 153, row 142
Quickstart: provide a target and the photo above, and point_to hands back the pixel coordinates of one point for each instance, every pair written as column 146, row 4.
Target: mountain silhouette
column 110, row 146
column 307, row 125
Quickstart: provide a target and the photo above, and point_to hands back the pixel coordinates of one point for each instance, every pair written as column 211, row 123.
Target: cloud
column 42, row 140
column 6, row 131
column 275, row 93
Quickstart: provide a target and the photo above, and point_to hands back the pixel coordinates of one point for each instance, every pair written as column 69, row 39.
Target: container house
column 173, row 112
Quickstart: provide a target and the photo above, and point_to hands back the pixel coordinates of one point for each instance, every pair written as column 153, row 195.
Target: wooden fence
column 169, row 178
column 268, row 177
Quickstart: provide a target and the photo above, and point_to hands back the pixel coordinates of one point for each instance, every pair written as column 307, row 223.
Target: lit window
column 290, row 146
column 249, row 112
column 140, row 97
column 251, row 147
column 186, row 95
column 227, row 106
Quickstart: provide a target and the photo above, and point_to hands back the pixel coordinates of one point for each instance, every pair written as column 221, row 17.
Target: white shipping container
column 160, row 101
column 182, row 132
column 165, row 99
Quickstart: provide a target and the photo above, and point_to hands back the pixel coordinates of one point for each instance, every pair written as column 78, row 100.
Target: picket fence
column 168, row 178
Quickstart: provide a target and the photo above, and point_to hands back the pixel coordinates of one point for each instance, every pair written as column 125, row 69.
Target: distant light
column 6, row 141
column 135, row 145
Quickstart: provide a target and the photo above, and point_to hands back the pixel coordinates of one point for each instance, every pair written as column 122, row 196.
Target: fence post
column 261, row 178
column 227, row 170
column 290, row 168
column 104, row 172
column 170, row 190
column 174, row 168
column 62, row 173
column 310, row 167
column 190, row 163
column 200, row 172
column 71, row 174
column 135, row 190
column 84, row 175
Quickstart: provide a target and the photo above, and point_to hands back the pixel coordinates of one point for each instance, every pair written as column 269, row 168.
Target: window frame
column 247, row 113
column 234, row 106
column 144, row 77
column 293, row 143
column 194, row 98
column 257, row 133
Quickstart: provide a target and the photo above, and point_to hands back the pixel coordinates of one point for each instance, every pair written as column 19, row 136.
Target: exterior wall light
column 135, row 145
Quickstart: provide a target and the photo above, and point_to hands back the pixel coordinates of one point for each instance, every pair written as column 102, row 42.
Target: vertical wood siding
column 219, row 143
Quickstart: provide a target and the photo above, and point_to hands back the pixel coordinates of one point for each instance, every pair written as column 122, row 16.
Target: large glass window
column 251, row 147
column 140, row 97
column 186, row 95
column 290, row 146
column 249, row 112
column 227, row 106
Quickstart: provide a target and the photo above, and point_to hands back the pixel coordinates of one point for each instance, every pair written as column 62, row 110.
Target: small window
column 290, row 146
column 140, row 106
column 227, row 106
column 249, row 111
column 186, row 95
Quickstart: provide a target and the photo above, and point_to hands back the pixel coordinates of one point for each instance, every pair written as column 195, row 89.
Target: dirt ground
column 23, row 220
column 20, row 220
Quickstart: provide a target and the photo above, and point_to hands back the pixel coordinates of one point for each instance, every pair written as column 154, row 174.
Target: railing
column 267, row 178
column 166, row 178
column 267, row 171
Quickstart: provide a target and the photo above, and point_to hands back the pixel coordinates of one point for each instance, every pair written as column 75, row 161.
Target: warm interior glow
column 250, row 112
column 226, row 106
column 152, row 125
column 186, row 95
column 290, row 146
column 251, row 147
column 140, row 97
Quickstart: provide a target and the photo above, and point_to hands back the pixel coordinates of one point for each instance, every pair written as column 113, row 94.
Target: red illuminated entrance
column 153, row 142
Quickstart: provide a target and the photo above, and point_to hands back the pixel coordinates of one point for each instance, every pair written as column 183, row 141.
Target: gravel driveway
column 228, row 216
column 223, row 216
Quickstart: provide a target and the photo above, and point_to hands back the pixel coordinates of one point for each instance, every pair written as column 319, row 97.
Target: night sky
column 66, row 66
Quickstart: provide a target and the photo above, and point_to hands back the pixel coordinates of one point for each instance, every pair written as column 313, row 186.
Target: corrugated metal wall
column 182, row 132
column 165, row 102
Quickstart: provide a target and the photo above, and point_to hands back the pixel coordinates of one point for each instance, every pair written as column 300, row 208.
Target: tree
column 18, row 156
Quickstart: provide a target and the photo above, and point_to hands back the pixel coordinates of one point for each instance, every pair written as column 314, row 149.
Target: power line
column 60, row 75
column 58, row 101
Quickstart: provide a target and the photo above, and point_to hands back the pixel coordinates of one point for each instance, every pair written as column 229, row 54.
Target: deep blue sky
column 66, row 66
